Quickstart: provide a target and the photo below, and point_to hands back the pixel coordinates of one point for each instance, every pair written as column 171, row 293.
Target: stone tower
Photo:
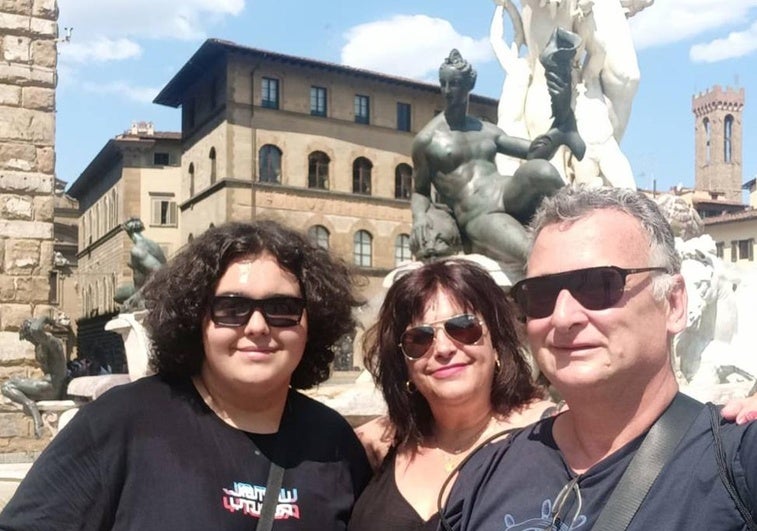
column 28, row 48
column 718, row 141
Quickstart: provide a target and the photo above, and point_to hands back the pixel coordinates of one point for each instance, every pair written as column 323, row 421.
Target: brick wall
column 28, row 53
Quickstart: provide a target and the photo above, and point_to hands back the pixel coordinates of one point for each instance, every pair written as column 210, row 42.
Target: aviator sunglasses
column 464, row 328
column 596, row 288
column 235, row 310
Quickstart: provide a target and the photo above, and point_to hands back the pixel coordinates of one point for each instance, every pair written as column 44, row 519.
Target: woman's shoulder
column 526, row 414
column 376, row 436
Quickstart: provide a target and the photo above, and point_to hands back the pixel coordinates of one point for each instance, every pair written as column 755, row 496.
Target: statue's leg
column 13, row 390
column 499, row 236
column 528, row 186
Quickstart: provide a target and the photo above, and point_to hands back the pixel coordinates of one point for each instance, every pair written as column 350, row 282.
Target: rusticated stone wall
column 28, row 58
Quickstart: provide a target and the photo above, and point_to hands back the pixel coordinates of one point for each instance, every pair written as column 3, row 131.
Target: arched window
column 212, row 157
column 363, row 248
column 106, row 214
column 707, row 133
column 191, row 179
column 319, row 235
column 92, row 227
column 114, row 208
column 402, row 249
column 728, row 138
column 88, row 301
column 190, row 238
column 318, row 170
column 97, row 228
column 403, row 181
column 270, row 164
column 361, row 176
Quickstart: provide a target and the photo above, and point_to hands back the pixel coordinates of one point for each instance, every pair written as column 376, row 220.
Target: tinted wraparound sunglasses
column 596, row 288
column 235, row 310
column 464, row 328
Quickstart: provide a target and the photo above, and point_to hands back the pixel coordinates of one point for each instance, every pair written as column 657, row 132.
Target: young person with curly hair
column 240, row 320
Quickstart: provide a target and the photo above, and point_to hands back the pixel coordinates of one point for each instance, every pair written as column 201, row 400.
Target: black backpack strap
column 655, row 451
column 271, row 498
column 726, row 474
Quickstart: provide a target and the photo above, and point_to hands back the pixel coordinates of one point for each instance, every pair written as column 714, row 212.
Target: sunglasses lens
column 464, row 328
column 230, row 311
column 282, row 311
column 277, row 311
column 416, row 341
column 599, row 288
column 596, row 288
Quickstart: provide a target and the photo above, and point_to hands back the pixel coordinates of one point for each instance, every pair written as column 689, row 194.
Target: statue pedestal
column 136, row 342
column 137, row 345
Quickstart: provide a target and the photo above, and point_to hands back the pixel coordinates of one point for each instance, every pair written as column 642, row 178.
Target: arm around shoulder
column 376, row 436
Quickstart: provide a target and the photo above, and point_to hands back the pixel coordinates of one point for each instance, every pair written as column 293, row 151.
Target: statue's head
column 456, row 65
column 24, row 332
column 133, row 225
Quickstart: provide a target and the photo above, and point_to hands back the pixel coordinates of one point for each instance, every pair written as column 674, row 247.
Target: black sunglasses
column 235, row 310
column 464, row 328
column 596, row 288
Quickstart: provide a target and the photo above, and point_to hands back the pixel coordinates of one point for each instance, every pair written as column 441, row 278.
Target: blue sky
column 120, row 56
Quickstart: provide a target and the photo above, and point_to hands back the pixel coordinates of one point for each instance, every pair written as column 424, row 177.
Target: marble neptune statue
column 607, row 77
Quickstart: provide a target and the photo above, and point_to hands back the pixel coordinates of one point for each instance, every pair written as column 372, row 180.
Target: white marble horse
column 704, row 354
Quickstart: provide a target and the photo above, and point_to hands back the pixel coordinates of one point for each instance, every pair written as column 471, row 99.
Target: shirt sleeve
column 64, row 489
column 473, row 477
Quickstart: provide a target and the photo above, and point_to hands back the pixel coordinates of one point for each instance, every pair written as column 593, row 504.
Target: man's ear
column 677, row 305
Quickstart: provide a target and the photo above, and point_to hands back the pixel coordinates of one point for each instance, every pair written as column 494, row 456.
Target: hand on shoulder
column 376, row 436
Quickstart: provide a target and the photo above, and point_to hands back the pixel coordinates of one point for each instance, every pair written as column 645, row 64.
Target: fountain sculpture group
column 564, row 107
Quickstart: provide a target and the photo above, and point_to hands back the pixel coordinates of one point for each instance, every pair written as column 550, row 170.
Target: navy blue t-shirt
column 515, row 484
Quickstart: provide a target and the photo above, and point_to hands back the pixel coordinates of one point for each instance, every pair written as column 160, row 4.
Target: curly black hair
column 475, row 291
column 178, row 296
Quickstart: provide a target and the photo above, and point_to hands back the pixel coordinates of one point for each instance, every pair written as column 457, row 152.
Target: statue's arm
column 513, row 146
column 506, row 55
column 421, row 198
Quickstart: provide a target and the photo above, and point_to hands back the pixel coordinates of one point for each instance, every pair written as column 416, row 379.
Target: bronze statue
column 145, row 258
column 455, row 152
column 51, row 356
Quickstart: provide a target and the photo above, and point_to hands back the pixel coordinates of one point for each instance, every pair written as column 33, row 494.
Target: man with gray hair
column 603, row 297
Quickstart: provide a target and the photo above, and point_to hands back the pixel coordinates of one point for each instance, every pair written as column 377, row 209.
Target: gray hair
column 571, row 204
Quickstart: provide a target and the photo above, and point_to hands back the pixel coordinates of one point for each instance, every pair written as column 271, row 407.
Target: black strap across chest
column 655, row 451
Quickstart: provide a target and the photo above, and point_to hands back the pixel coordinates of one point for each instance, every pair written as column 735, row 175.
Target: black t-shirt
column 151, row 455
column 515, row 484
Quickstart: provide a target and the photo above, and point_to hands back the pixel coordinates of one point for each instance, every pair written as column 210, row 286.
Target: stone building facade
column 322, row 147
column 28, row 48
column 136, row 174
column 718, row 141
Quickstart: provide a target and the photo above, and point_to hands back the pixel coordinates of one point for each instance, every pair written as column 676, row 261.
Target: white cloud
column 409, row 46
column 669, row 21
column 100, row 49
column 120, row 88
column 736, row 44
column 155, row 19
